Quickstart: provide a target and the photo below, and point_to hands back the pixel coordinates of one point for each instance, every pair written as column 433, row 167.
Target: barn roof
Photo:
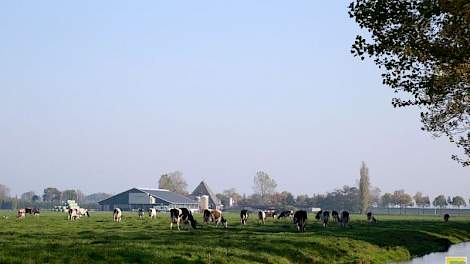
column 171, row 197
column 203, row 189
column 168, row 196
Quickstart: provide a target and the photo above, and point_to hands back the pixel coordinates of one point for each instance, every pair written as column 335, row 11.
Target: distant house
column 203, row 189
column 147, row 198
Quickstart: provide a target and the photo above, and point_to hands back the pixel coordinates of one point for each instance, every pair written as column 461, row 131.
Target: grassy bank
column 51, row 238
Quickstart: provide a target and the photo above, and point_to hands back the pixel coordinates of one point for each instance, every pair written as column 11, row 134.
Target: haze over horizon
column 105, row 96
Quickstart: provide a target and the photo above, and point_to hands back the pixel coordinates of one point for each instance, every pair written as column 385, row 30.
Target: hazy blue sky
column 108, row 95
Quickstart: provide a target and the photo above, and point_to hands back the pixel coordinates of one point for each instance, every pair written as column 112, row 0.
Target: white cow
column 153, row 213
column 117, row 215
column 21, row 214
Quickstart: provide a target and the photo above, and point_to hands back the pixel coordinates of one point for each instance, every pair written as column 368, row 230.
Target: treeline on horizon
column 353, row 198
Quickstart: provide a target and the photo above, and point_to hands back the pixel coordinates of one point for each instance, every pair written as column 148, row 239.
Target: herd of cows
column 185, row 216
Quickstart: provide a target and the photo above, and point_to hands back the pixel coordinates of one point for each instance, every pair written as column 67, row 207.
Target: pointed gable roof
column 203, row 189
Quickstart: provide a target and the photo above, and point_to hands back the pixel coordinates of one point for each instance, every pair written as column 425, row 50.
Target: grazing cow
column 181, row 214
column 344, row 218
column 83, row 212
column 300, row 219
column 21, row 214
column 243, row 216
column 371, row 218
column 319, row 215
column 287, row 213
column 117, row 215
column 28, row 210
column 271, row 213
column 175, row 214
column 141, row 213
column 446, row 218
column 153, row 213
column 335, row 216
column 261, row 217
column 73, row 214
column 218, row 218
column 325, row 218
column 207, row 216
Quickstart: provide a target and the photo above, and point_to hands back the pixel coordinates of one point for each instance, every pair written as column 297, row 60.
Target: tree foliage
column 173, row 181
column 51, row 194
column 440, row 201
column 421, row 200
column 264, row 185
column 4, row 192
column 364, row 185
column 401, row 198
column 386, row 200
column 458, row 201
column 423, row 47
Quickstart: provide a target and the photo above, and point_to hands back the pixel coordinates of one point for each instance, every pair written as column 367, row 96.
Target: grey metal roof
column 171, row 197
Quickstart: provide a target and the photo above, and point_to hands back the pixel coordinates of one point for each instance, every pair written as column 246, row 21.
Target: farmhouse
column 203, row 189
column 147, row 198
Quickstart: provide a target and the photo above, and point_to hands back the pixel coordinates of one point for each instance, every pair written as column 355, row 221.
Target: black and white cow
column 73, row 214
column 287, row 213
column 261, row 217
column 325, row 218
column 152, row 213
column 179, row 215
column 344, row 218
column 371, row 218
column 300, row 220
column 141, row 213
column 318, row 215
column 207, row 216
column 83, row 212
column 117, row 215
column 243, row 216
column 446, row 218
column 335, row 216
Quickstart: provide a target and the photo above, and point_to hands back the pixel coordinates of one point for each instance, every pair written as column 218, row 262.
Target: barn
column 147, row 198
column 203, row 189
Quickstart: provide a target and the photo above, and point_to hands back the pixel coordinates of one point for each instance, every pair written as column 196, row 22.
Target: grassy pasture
column 51, row 238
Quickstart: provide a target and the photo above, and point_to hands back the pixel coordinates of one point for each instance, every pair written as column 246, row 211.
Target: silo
column 204, row 202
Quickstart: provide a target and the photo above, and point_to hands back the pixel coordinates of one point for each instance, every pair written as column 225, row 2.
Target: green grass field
column 51, row 238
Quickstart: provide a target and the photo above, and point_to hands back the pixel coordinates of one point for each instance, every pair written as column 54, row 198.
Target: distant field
column 51, row 238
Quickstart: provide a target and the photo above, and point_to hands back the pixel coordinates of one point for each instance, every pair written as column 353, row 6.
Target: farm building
column 201, row 190
column 147, row 198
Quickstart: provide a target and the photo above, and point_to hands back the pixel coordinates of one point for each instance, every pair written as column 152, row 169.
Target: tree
column 69, row 195
column 421, row 201
column 4, row 192
column 458, row 201
column 364, row 184
column 27, row 196
column 51, row 195
column 173, row 181
column 402, row 199
column 423, row 48
column 95, row 197
column 374, row 196
column 440, row 201
column 263, row 185
column 36, row 198
column 232, row 193
column 387, row 199
column 80, row 196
